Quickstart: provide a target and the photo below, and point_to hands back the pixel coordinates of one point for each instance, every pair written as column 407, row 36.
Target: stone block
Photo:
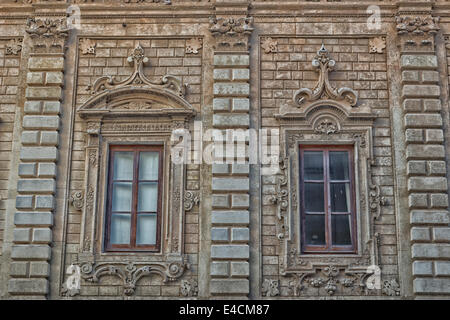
column 49, row 138
column 46, row 63
column 430, row 76
column 420, row 234
column 39, row 269
column 431, row 285
column 240, row 234
column 52, row 107
column 414, row 135
column 436, row 167
column 24, row 202
column 240, row 269
column 429, row 217
column 422, row 268
column 416, row 168
column 241, row 74
column 442, row 268
column 230, row 217
column 423, row 120
column 427, row 184
column 439, row 200
column 42, row 235
column 28, row 286
column 241, row 104
column 27, row 169
column 418, row 200
column 30, row 137
column 230, row 252
column 419, row 62
column 441, row 234
column 231, row 89
column 220, row 168
column 38, row 154
column 421, row 91
column 36, row 186
column 432, row 105
column 31, row 251
column 229, row 286
column 424, row 151
column 220, row 234
column 230, row 184
column 237, row 168
column 41, row 122
column 434, row 136
column 220, row 269
column 222, row 74
column 44, row 219
column 45, row 202
column 35, row 78
column 47, row 170
column 431, row 250
column 43, row 93
column 55, row 78
column 22, row 235
column 230, row 60
column 240, row 201
column 19, row 269
column 412, row 105
column 220, row 201
column 221, row 104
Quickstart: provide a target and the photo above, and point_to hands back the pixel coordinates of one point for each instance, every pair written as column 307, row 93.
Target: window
column 328, row 218
column 134, row 198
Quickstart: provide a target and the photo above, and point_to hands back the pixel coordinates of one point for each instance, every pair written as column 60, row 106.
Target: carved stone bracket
column 191, row 198
column 47, row 33
column 323, row 89
column 231, row 33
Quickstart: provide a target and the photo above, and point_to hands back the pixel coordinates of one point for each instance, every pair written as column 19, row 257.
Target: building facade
column 112, row 115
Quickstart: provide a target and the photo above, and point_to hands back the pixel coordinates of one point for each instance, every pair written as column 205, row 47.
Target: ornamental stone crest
column 231, row 33
column 138, row 78
column 323, row 89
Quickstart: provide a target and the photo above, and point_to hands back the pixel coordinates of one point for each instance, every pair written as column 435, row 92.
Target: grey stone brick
column 24, row 202
column 241, row 74
column 430, row 105
column 28, row 286
column 412, row 105
column 423, row 120
column 220, row 269
column 231, row 60
column 424, row 151
column 41, row 122
column 430, row 76
column 237, row 168
column 439, row 200
column 230, row 251
column 418, row 200
column 240, row 269
column 42, row 235
column 220, row 201
column 422, row 268
column 241, row 104
column 49, row 138
column 410, row 76
column 54, row 78
column 427, row 184
column 30, row 137
column 442, row 268
column 36, row 186
column 47, row 170
column 39, row 269
column 441, row 234
column 419, row 61
column 22, row 235
column 231, row 120
column 221, row 104
column 222, row 74
column 420, row 234
column 240, row 234
column 44, row 219
column 421, row 91
column 434, row 135
column 52, row 107
column 417, row 167
column 35, row 78
column 429, row 217
column 32, row 107
column 427, row 250
column 27, row 169
column 414, row 135
column 39, row 153
column 230, row 184
column 41, row 93
column 46, row 63
column 31, row 252
column 223, row 168
column 230, row 217
column 19, row 269
column 232, row 89
column 220, row 234
column 227, row 286
column 240, row 201
column 436, row 167
column 432, row 285
column 45, row 202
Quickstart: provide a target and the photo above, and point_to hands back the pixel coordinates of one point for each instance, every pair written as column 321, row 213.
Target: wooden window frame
column 328, row 247
column 132, row 247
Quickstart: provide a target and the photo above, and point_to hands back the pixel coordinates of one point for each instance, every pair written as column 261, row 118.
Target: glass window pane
column 315, row 229
column 148, row 196
column 313, row 165
column 146, row 229
column 339, row 166
column 314, row 198
column 341, row 229
column 123, row 166
column 148, row 165
column 120, row 228
column 122, row 196
column 340, row 197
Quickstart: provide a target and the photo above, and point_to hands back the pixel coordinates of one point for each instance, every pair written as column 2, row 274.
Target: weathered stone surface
column 227, row 286
column 36, row 186
column 33, row 219
column 39, row 154
column 230, row 217
column 430, row 217
column 231, row 89
column 231, row 60
column 28, row 286
column 419, row 61
column 429, row 250
column 431, row 285
column 230, row 184
column 42, row 252
column 230, row 251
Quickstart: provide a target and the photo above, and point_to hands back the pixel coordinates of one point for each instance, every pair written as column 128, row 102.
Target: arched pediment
column 136, row 101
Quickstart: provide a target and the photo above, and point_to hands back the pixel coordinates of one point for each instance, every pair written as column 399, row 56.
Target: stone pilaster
column 230, row 233
column 425, row 154
column 33, row 219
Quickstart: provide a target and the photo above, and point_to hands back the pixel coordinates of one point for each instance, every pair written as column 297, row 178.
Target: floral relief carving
column 326, row 126
column 189, row 288
column 77, row 200
column 13, row 47
column 377, row 45
column 391, row 287
column 87, row 46
column 47, row 33
column 417, row 25
column 194, row 45
column 280, row 198
column 270, row 45
column 138, row 78
column 270, row 288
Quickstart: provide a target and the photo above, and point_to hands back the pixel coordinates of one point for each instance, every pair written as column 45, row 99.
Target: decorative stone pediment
column 323, row 89
column 137, row 95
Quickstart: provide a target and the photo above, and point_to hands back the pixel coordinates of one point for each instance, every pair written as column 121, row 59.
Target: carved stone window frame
column 133, row 114
column 326, row 122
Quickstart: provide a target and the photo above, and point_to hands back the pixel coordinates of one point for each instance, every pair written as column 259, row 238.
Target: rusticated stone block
column 428, row 250
column 425, row 151
column 231, row 184
column 36, row 186
column 39, row 154
column 230, row 217
column 231, row 60
column 241, row 104
column 231, row 120
column 230, row 251
column 46, row 63
column 220, row 269
column 421, row 91
column 39, row 269
column 220, row 234
column 423, row 268
column 441, row 234
column 240, row 269
column 419, row 62
column 423, row 120
column 28, row 286
column 222, row 74
column 22, row 235
column 42, row 252
column 420, row 234
column 232, row 89
column 44, row 219
column 228, row 286
column 240, row 234
column 221, row 104
column 442, row 268
column 429, row 217
column 19, row 269
column 432, row 285
column 52, row 93
column 42, row 235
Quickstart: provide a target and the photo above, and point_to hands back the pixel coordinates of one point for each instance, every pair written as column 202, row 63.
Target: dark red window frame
column 328, row 247
column 136, row 149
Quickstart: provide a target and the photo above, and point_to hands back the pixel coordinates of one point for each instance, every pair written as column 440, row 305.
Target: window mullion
column 327, row 199
column 135, row 198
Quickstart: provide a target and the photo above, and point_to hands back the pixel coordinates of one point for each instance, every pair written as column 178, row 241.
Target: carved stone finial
column 323, row 89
